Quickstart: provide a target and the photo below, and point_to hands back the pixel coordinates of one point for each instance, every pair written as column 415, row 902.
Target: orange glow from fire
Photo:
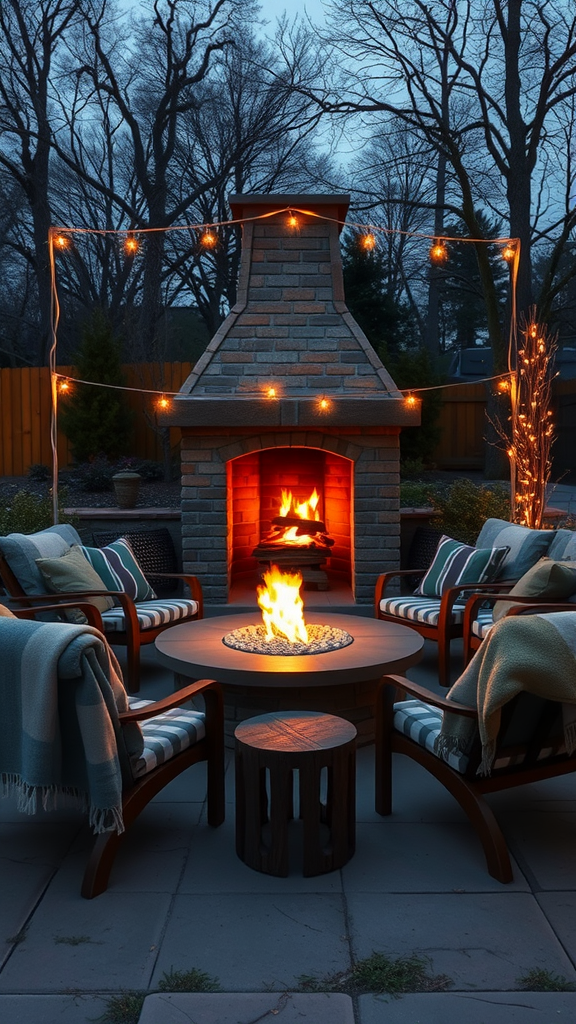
column 281, row 605
column 304, row 509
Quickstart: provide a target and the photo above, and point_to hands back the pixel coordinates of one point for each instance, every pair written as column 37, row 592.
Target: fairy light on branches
column 532, row 429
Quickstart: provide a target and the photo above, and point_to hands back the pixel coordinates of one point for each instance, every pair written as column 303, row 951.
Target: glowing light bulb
column 292, row 220
column 439, row 251
column 503, row 385
column 61, row 242
column 208, row 239
column 508, row 253
column 131, row 245
column 64, row 387
column 369, row 242
column 163, row 402
column 410, row 400
column 324, row 404
column 271, row 392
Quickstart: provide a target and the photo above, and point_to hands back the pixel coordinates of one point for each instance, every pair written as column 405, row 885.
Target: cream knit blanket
column 531, row 653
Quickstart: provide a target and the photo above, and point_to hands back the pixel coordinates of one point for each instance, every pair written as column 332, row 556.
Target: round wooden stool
column 269, row 749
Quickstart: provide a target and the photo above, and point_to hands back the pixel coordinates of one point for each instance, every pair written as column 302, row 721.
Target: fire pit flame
column 281, row 605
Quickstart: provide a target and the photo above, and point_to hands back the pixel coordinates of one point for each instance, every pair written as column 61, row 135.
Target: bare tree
column 488, row 85
column 31, row 33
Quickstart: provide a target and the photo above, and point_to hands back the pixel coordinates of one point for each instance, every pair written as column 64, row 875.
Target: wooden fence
column 463, row 425
column 25, row 419
column 25, row 414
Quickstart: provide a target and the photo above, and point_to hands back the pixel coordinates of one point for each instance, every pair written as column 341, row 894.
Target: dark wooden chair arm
column 174, row 700
column 384, row 579
column 90, row 611
column 192, row 582
column 532, row 604
column 437, row 701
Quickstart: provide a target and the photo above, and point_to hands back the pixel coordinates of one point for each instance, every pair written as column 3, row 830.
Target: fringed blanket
column 60, row 691
column 532, row 653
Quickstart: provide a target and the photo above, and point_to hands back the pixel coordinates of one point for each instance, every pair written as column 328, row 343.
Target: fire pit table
column 340, row 682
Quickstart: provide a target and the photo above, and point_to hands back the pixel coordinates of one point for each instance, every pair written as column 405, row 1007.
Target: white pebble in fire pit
column 321, row 640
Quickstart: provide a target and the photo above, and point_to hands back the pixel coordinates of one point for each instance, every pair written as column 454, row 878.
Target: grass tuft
column 124, row 1008
column 380, row 974
column 188, row 981
column 540, row 980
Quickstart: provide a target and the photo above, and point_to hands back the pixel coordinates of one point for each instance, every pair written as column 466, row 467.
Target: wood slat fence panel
column 25, row 414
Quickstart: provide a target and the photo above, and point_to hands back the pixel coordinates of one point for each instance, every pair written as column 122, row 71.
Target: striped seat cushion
column 482, row 623
column 422, row 723
column 166, row 735
column 151, row 614
column 419, row 609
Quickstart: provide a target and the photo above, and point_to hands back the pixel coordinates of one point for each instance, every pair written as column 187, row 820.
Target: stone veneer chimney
column 290, row 330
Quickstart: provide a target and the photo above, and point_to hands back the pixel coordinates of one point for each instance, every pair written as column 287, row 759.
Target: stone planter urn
column 127, row 488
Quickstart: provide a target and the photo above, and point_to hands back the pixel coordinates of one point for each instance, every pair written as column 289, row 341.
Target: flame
column 281, row 605
column 304, row 510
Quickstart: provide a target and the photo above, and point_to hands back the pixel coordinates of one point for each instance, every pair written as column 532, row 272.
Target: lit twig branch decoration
column 532, row 432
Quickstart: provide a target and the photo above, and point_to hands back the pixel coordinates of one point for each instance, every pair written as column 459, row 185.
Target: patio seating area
column 180, row 899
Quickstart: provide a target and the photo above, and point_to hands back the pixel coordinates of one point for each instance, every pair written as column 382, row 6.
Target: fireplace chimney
column 290, row 367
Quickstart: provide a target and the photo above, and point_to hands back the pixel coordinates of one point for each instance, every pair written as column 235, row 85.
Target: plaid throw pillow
column 119, row 569
column 456, row 563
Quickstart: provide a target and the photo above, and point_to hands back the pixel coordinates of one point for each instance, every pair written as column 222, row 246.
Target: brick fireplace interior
column 254, row 486
column 289, row 394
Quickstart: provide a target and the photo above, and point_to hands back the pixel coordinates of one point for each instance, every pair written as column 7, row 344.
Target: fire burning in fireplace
column 297, row 523
column 298, row 540
column 282, row 607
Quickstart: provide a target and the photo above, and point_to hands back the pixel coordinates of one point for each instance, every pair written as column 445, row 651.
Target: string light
column 411, row 400
column 324, row 404
column 131, row 245
column 62, row 242
column 509, row 253
column 208, row 239
column 439, row 251
column 368, row 242
column 163, row 402
column 271, row 392
column 64, row 387
column 503, row 385
column 292, row 221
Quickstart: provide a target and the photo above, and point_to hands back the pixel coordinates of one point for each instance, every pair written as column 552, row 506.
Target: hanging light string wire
column 54, row 232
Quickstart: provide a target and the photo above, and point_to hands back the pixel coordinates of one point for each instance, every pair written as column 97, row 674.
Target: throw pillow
column 72, row 573
column 456, row 563
column 119, row 568
column 550, row 580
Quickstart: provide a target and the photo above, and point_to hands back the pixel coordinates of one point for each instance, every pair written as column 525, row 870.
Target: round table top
column 195, row 649
column 295, row 731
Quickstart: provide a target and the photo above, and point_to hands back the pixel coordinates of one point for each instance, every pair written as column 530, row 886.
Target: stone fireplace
column 289, row 395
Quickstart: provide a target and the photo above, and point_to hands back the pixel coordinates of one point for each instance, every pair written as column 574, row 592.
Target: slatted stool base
column 269, row 750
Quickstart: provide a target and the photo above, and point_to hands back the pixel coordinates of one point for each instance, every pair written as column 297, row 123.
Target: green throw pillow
column 72, row 573
column 549, row 580
column 119, row 568
column 456, row 563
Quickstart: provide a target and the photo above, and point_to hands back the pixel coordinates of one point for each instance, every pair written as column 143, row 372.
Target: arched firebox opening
column 318, row 535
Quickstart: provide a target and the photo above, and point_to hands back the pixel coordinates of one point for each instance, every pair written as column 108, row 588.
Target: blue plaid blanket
column 60, row 692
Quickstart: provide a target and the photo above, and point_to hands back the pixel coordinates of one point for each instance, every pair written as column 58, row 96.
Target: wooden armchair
column 173, row 739
column 438, row 619
column 131, row 624
column 530, row 727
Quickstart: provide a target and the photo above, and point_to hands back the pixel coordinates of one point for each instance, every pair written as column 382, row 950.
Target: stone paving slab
column 481, row 941
column 108, row 943
column 247, row 1007
column 545, row 840
column 47, row 1009
column 470, row 1008
column 396, row 857
column 253, row 942
column 560, row 910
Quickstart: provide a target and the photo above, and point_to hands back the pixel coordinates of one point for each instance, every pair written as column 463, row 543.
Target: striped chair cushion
column 151, row 614
column 166, row 735
column 422, row 723
column 483, row 622
column 419, row 609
